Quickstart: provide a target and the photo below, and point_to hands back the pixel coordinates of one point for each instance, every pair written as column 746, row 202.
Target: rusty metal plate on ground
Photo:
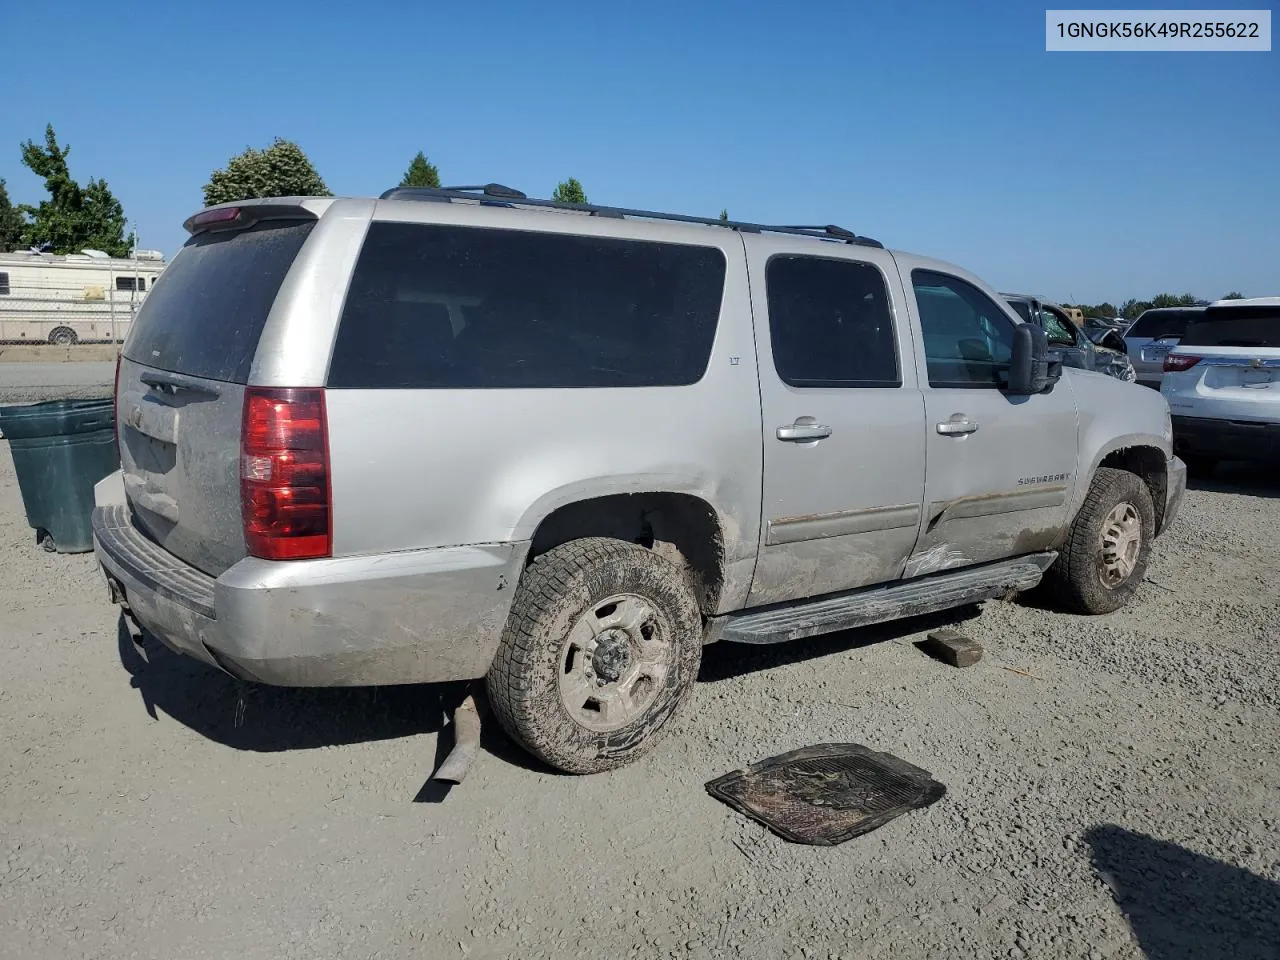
column 828, row 793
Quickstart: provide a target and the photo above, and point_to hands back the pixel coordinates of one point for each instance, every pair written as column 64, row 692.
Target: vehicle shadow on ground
column 724, row 661
column 1185, row 906
column 265, row 719
column 249, row 716
column 1244, row 478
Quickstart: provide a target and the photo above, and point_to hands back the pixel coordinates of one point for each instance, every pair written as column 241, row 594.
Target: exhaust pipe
column 466, row 743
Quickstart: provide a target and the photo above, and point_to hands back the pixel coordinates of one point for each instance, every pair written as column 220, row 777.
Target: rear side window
column 1155, row 324
column 449, row 307
column 206, row 316
column 1236, row 327
column 829, row 323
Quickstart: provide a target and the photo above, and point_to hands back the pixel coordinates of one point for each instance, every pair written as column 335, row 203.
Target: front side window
column 968, row 340
column 830, row 323
column 449, row 307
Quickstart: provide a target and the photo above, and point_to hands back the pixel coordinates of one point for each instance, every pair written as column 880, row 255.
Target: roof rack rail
column 491, row 190
column 830, row 229
column 508, row 196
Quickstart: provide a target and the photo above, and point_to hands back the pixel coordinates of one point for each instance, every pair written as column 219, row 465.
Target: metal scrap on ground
column 828, row 793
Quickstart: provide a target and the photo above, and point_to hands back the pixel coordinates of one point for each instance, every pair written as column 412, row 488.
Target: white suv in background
column 1222, row 383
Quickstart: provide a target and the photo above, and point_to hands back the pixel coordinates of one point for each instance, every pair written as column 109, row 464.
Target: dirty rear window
column 1236, row 327
column 448, row 307
column 204, row 316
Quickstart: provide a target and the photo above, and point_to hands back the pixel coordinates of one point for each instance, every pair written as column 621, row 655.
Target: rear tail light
column 1177, row 362
column 284, row 474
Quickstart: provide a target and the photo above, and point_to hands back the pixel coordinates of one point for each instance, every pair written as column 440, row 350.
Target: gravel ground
column 1112, row 791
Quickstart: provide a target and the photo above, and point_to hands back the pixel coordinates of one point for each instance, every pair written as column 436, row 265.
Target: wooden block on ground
column 952, row 646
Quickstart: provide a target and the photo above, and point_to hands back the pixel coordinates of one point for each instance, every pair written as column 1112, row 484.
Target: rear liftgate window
column 205, row 315
column 450, row 307
column 1236, row 327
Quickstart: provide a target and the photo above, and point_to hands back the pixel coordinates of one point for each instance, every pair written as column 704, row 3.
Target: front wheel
column 63, row 337
column 601, row 647
column 1106, row 553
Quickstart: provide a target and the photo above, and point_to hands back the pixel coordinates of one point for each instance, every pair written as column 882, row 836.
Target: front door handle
column 957, row 426
column 804, row 429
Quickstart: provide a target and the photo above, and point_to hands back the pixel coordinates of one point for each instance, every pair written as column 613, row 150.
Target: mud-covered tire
column 556, row 595
column 1084, row 577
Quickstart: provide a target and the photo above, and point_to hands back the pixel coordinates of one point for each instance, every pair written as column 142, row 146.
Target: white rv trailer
column 80, row 297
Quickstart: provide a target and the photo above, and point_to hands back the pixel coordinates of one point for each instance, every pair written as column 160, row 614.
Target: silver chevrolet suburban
column 458, row 434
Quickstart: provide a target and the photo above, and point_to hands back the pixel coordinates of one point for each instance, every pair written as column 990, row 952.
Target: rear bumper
column 1227, row 439
column 413, row 617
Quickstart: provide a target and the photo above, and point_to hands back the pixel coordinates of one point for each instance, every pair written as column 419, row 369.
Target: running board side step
column 861, row 608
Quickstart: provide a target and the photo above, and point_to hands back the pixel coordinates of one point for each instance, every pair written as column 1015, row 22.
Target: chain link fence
column 65, row 310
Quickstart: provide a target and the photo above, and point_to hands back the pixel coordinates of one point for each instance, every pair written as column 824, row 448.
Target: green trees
column 74, row 218
column 11, row 222
column 421, row 173
column 569, row 191
column 281, row 170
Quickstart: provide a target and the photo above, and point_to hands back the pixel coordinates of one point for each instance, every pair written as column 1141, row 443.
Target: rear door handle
column 957, row 426
column 805, row 428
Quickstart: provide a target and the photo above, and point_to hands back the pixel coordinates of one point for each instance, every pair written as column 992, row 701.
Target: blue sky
column 934, row 127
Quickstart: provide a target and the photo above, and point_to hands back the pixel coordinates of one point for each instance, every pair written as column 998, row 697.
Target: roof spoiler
column 245, row 213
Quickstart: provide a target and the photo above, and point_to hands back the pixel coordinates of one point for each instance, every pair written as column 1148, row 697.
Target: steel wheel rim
column 614, row 663
column 1121, row 542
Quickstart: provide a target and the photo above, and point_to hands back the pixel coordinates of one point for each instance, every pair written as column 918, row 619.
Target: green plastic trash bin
column 60, row 449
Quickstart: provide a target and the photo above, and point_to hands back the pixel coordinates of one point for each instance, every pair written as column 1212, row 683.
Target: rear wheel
column 602, row 646
column 63, row 336
column 1106, row 553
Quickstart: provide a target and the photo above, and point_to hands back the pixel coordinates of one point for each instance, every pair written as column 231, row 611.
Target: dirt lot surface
column 1112, row 791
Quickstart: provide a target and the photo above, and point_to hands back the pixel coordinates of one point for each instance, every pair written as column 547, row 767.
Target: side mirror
column 1032, row 369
